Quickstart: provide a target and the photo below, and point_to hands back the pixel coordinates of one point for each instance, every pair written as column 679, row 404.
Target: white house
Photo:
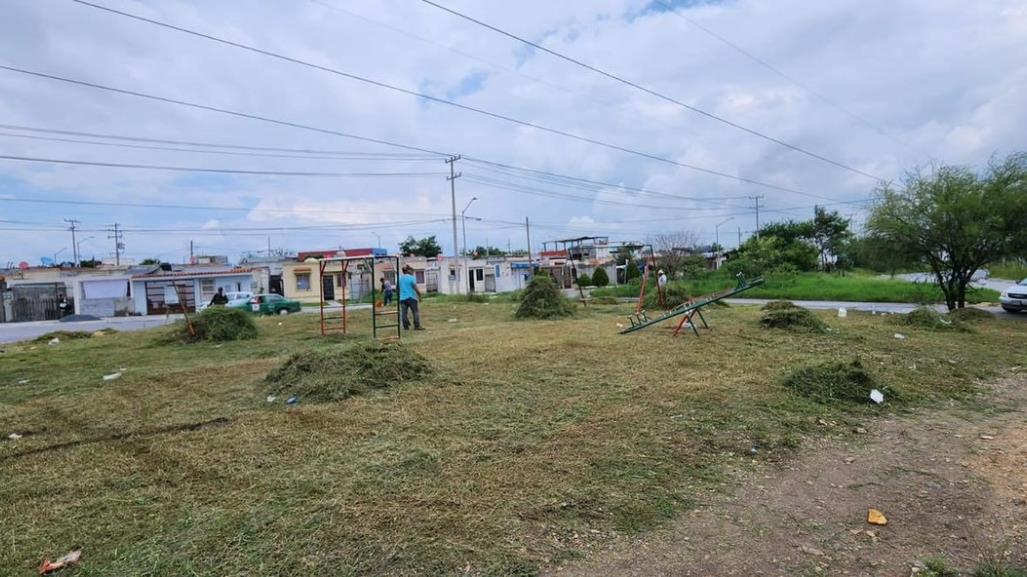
column 163, row 292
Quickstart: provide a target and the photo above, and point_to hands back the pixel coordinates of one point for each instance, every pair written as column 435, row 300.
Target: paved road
column 891, row 308
column 979, row 280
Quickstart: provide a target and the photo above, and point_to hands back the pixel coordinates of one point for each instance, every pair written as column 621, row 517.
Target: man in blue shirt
column 409, row 294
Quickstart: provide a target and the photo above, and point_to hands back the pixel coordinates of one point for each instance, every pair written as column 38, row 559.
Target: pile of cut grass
column 337, row 373
column 969, row 315
column 62, row 335
column 218, row 324
column 795, row 319
column 543, row 300
column 778, row 306
column 833, row 381
column 930, row 319
column 673, row 294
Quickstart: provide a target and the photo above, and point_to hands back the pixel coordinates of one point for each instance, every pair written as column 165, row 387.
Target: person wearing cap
column 409, row 295
column 661, row 279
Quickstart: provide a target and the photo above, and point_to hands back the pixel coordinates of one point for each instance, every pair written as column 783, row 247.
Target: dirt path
column 952, row 483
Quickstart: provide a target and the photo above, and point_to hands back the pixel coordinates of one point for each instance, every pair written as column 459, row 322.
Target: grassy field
column 819, row 286
column 1008, row 270
column 531, row 444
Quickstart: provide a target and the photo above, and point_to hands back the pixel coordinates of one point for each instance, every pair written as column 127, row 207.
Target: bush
column 834, row 381
column 219, row 324
column 584, row 279
column 969, row 315
column 632, row 272
column 336, row 373
column 674, row 293
column 796, row 319
column 779, row 306
column 605, row 301
column 542, row 300
column 928, row 318
column 600, row 278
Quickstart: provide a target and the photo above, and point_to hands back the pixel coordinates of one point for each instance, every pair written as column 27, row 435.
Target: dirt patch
column 952, row 483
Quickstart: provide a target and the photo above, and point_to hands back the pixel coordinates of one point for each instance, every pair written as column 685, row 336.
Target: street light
column 379, row 237
column 716, row 232
column 57, row 253
column 78, row 248
column 463, row 221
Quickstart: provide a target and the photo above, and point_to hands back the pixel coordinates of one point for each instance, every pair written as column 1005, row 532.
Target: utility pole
column 451, row 161
column 269, row 245
column 119, row 246
column 191, row 261
column 72, row 224
column 739, row 237
column 757, row 198
column 527, row 228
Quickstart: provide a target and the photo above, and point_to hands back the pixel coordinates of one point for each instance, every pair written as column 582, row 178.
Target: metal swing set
column 336, row 321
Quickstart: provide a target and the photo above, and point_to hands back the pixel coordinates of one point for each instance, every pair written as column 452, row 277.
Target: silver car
column 1014, row 298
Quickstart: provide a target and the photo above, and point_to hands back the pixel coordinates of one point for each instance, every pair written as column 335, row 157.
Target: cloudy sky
column 877, row 87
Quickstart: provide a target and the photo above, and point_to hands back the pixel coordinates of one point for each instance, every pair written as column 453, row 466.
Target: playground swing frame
column 328, row 324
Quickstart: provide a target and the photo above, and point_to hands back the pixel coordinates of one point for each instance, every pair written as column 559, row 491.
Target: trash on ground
column 988, row 437
column 453, row 321
column 292, row 400
column 877, row 396
column 14, row 436
column 860, row 431
column 279, row 324
column 112, row 376
column 875, row 517
column 849, row 460
column 900, row 336
column 620, row 325
column 23, row 382
column 842, row 313
column 218, row 346
column 68, row 560
column 271, row 398
column 54, row 341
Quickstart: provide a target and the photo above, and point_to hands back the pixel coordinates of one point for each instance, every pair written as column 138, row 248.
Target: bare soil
column 952, row 483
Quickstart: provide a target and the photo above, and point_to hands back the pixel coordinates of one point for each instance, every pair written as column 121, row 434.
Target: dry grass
column 530, row 443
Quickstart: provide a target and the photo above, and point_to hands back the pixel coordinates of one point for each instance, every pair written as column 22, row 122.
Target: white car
column 1014, row 298
column 234, row 298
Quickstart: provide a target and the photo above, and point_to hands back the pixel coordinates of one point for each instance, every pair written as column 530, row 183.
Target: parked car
column 235, row 298
column 1014, row 298
column 270, row 304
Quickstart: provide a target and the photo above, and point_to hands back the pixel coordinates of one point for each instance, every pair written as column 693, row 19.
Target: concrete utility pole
column 527, row 228
column 451, row 161
column 463, row 221
column 739, row 237
column 191, row 252
column 72, row 224
column 757, row 198
column 119, row 246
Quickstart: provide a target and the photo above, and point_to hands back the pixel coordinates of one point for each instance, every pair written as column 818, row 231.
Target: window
column 303, row 281
column 479, row 274
column 274, row 298
column 419, row 274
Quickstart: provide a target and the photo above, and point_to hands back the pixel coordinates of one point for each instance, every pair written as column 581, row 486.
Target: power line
column 200, row 151
column 452, row 103
column 218, row 170
column 650, row 91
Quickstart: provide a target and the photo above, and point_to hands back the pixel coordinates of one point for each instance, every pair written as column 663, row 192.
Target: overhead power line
column 650, row 91
column 488, row 113
column 219, row 170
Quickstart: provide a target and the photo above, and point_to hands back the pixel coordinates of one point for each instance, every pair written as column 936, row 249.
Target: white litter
column 453, row 321
column 900, row 336
column 842, row 313
column 279, row 324
column 14, row 436
column 620, row 325
column 877, row 396
column 23, row 382
column 271, row 398
column 112, row 377
column 54, row 341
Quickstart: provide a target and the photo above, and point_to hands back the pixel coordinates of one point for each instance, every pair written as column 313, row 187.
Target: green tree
column 829, row 233
column 584, row 279
column 426, row 247
column 600, row 278
column 955, row 221
column 150, row 261
column 90, row 263
column 773, row 253
column 632, row 271
column 483, row 251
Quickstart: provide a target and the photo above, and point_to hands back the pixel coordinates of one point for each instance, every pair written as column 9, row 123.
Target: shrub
column 600, row 278
column 219, row 324
column 584, row 279
column 778, row 306
column 928, row 318
column 833, row 381
column 673, row 294
column 969, row 315
column 631, row 272
column 542, row 300
column 336, row 373
column 605, row 301
column 796, row 319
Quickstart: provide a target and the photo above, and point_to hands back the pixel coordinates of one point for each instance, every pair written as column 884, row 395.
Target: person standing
column 409, row 295
column 220, row 299
column 386, row 291
column 662, row 279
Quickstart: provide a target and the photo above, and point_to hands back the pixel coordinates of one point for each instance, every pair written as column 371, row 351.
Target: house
column 169, row 291
column 576, row 256
column 301, row 278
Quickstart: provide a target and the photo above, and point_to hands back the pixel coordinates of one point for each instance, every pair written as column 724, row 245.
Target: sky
column 876, row 87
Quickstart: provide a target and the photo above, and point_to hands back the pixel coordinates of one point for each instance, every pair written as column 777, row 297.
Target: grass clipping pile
column 835, row 381
column 785, row 315
column 338, row 373
column 218, row 324
column 930, row 319
column 542, row 300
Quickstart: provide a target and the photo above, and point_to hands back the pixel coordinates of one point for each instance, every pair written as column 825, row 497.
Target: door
column 329, row 287
column 470, row 280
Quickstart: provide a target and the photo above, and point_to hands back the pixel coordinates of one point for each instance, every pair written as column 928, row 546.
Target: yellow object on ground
column 875, row 517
